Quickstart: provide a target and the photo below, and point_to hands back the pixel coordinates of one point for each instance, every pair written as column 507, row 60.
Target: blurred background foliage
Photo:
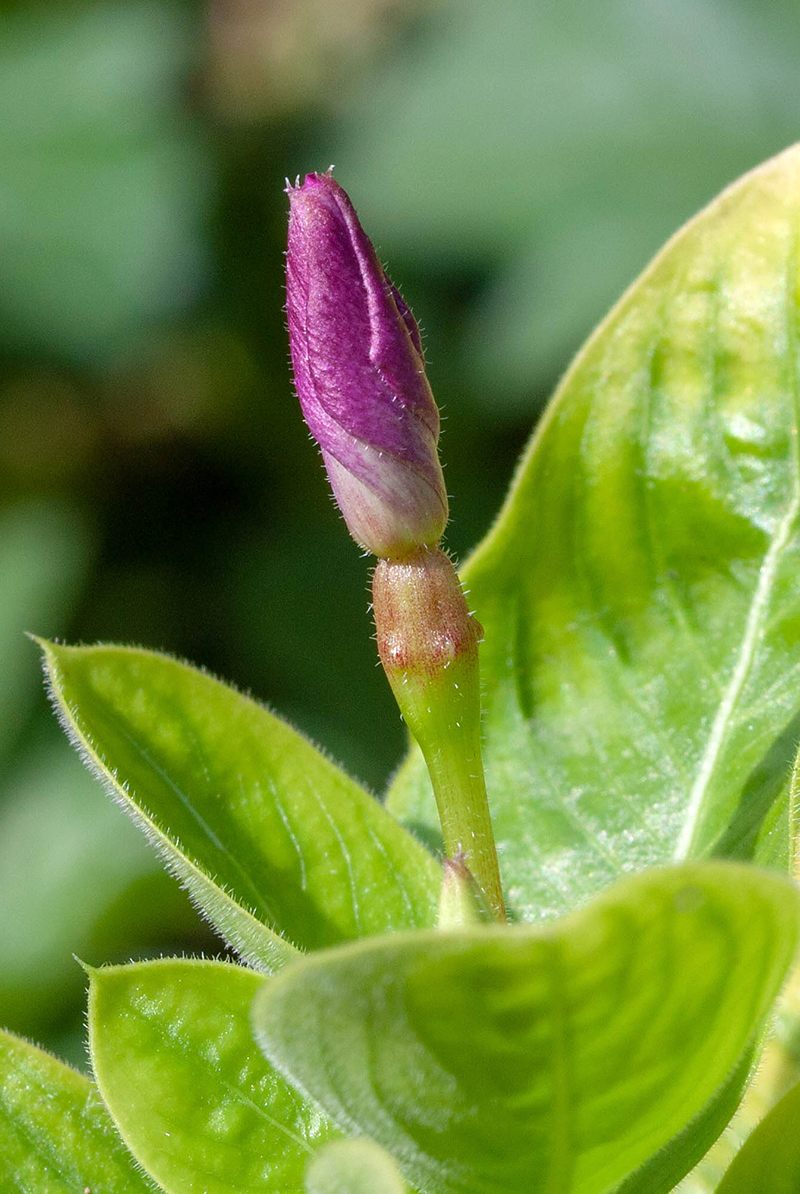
column 516, row 164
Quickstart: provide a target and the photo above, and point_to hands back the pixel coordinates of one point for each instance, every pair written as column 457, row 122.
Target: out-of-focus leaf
column 353, row 1167
column 639, row 591
column 105, row 183
column 562, row 142
column 266, row 833
column 194, row 1100
column 769, row 1162
column 517, row 1059
column 778, row 1073
column 663, row 1169
column 45, row 547
column 56, row 1137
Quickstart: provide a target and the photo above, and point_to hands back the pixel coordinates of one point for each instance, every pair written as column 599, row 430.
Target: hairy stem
column 428, row 644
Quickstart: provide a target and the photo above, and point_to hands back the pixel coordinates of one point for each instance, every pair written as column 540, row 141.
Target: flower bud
column 360, row 377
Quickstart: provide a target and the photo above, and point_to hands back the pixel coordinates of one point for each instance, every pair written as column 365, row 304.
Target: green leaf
column 769, row 1161
column 639, row 591
column 194, row 1100
column 258, row 824
column 513, row 1060
column 664, row 1169
column 56, row 1137
column 353, row 1167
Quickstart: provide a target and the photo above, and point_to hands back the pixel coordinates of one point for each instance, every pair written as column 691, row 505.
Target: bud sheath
column 461, row 901
column 428, row 644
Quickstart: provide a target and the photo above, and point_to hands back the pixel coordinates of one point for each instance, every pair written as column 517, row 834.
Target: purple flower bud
column 360, row 377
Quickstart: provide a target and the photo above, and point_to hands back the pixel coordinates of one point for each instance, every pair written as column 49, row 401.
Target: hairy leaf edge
column 92, row 1086
column 273, row 952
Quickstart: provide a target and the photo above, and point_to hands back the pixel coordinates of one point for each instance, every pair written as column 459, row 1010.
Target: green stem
column 428, row 643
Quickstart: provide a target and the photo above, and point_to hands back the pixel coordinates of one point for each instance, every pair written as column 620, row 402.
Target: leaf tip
column 89, row 971
column 48, row 647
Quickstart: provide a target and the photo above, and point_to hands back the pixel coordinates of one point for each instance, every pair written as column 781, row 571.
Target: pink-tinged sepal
column 360, row 376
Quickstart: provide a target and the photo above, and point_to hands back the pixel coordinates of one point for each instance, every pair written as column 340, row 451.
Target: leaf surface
column 525, row 1059
column 56, row 1137
column 192, row 1096
column 663, row 1170
column 639, row 590
column 262, row 828
column 769, row 1160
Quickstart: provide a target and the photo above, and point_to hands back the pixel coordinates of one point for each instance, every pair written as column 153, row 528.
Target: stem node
column 428, row 644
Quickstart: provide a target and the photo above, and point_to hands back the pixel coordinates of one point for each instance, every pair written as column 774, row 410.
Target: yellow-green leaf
column 267, row 834
column 541, row 1059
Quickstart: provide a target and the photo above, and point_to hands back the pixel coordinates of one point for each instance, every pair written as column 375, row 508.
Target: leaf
column 664, row 1169
column 513, row 1060
column 193, row 1098
column 769, row 1160
column 56, row 1137
column 258, row 825
column 639, row 597
column 353, row 1167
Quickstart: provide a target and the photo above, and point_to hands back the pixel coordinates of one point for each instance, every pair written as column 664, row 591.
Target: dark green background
column 515, row 164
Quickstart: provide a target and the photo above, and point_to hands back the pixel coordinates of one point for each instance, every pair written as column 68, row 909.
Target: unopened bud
column 360, row 377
